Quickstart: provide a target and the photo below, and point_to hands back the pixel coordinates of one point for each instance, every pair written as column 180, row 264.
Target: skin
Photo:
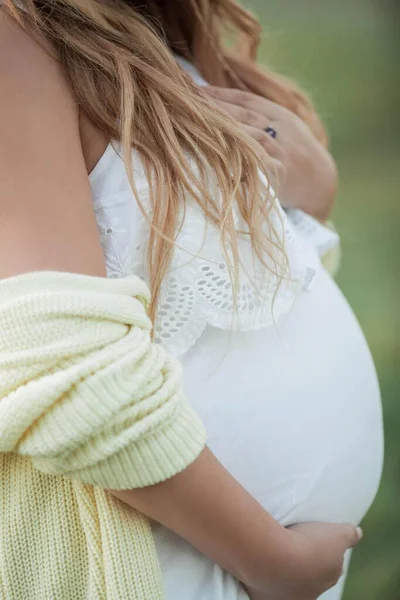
column 305, row 170
column 47, row 222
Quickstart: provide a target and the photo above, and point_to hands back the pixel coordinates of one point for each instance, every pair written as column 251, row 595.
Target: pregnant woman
column 136, row 150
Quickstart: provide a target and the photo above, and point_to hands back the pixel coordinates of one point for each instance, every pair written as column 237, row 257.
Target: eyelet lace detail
column 197, row 290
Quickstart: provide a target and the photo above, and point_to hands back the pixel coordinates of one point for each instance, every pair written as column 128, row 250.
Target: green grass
column 344, row 54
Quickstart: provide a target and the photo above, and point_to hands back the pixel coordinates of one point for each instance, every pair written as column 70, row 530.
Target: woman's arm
column 46, row 215
column 47, row 223
column 209, row 508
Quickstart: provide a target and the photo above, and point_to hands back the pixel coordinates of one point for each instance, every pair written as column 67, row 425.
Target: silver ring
column 272, row 132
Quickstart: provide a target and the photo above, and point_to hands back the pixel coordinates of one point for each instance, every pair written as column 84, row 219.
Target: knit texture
column 87, row 402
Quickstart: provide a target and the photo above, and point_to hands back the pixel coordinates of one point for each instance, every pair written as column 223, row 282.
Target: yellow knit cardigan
column 87, row 402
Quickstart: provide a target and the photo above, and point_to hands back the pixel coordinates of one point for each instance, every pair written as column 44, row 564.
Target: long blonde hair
column 118, row 58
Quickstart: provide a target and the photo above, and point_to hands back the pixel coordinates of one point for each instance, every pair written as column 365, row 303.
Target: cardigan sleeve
column 84, row 393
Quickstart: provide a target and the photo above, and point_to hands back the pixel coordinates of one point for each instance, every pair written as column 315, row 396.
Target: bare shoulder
column 29, row 72
column 45, row 197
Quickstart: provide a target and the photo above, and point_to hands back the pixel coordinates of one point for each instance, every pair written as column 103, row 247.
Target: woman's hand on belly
column 314, row 562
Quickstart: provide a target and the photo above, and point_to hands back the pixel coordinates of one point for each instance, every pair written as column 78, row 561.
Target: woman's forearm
column 205, row 505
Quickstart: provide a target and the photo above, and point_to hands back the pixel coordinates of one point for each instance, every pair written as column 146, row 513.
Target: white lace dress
column 289, row 396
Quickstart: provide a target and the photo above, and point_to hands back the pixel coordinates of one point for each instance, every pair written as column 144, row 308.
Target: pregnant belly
column 294, row 412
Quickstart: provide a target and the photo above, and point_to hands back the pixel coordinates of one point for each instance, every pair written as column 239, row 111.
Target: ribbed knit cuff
column 157, row 456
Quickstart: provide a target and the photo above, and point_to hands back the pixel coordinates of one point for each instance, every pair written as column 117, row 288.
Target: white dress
column 289, row 397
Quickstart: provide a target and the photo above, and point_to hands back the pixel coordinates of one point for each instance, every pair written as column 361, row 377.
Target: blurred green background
column 346, row 55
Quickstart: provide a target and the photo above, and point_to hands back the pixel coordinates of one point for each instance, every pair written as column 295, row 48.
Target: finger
column 351, row 534
column 251, row 101
column 270, row 145
column 276, row 175
column 256, row 126
column 253, row 120
column 276, row 167
column 245, row 116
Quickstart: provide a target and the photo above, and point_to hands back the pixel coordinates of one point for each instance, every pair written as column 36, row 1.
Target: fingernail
column 360, row 532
